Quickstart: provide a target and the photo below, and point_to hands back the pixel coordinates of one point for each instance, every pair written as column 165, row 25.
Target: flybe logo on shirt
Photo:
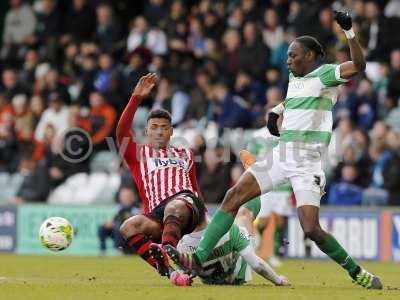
column 160, row 163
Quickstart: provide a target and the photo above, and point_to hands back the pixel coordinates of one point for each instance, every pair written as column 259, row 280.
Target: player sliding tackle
column 306, row 132
column 234, row 257
column 166, row 180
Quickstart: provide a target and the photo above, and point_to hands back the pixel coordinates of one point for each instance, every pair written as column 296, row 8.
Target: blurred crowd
column 221, row 64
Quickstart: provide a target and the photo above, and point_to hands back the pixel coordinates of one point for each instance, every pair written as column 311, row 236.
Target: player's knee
column 177, row 208
column 233, row 199
column 131, row 226
column 314, row 233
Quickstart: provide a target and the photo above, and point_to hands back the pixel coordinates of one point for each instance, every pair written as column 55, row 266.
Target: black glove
column 272, row 123
column 343, row 19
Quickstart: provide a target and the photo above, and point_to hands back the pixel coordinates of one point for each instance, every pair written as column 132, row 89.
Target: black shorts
column 193, row 203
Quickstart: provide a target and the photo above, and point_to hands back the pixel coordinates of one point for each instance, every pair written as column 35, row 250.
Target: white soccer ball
column 56, row 233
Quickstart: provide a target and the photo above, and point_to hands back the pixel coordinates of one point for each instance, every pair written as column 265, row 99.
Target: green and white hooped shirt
column 308, row 106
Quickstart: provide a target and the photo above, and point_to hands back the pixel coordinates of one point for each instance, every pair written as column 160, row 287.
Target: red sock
column 172, row 232
column 141, row 245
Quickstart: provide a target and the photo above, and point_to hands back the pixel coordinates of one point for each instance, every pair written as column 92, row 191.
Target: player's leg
column 261, row 177
column 245, row 189
column 250, row 210
column 139, row 232
column 177, row 216
column 180, row 216
column 308, row 212
column 103, row 233
column 247, row 214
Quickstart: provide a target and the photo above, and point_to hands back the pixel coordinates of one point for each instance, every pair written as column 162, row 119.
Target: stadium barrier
column 367, row 233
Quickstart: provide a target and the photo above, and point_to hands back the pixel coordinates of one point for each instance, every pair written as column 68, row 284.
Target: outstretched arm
column 261, row 267
column 142, row 90
column 357, row 64
column 125, row 137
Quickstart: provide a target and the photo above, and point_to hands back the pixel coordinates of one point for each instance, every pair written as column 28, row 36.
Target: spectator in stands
column 196, row 39
column 324, row 32
column 375, row 32
column 128, row 206
column 8, row 144
column 71, row 66
column 346, row 192
column 79, row 23
column 10, row 85
column 34, row 187
column 230, row 57
column 48, row 29
column 49, row 22
column 108, row 31
column 108, row 69
column 199, row 99
column 155, row 11
column 162, row 99
column 53, row 85
column 88, row 73
column 391, row 171
column 141, row 35
column 5, row 108
column 19, row 26
column 27, row 73
column 23, row 118
column 253, row 54
column 37, row 108
column 214, row 179
column 365, row 105
column 102, row 118
column 273, row 34
column 393, row 89
column 229, row 111
column 56, row 114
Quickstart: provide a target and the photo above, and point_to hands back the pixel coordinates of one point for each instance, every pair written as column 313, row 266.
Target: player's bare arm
column 357, row 64
column 142, row 90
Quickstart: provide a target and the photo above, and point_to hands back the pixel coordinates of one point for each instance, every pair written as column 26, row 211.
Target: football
column 56, row 234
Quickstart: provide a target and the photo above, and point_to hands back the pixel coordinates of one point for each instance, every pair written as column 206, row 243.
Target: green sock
column 278, row 240
column 219, row 225
column 332, row 248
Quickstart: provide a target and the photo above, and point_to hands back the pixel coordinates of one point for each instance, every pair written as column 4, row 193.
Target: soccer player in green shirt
column 306, row 132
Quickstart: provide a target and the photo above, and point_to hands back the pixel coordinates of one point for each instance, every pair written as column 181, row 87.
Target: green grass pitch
column 120, row 278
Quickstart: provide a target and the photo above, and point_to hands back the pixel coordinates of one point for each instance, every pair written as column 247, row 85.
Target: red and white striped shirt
column 158, row 173
column 162, row 173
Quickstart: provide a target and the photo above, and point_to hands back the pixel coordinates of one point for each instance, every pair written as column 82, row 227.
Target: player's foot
column 246, row 158
column 159, row 254
column 284, row 281
column 368, row 280
column 181, row 279
column 185, row 261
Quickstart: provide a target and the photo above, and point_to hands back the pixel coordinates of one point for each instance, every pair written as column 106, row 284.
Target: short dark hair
column 311, row 44
column 159, row 114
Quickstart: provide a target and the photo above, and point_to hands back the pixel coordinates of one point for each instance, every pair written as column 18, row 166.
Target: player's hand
column 145, row 85
column 343, row 19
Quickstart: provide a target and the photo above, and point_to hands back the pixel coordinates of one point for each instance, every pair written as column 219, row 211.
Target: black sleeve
column 272, row 123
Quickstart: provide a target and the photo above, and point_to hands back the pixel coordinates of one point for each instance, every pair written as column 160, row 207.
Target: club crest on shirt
column 161, row 163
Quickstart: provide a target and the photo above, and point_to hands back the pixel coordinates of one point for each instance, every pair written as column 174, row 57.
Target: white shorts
column 302, row 168
column 277, row 202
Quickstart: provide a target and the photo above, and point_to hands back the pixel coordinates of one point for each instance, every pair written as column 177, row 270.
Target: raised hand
column 145, row 85
column 343, row 19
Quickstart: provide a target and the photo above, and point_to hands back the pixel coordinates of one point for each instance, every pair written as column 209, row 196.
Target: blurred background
column 221, row 66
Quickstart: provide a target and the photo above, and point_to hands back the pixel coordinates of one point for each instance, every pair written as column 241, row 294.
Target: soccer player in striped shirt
column 166, row 180
column 306, row 132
